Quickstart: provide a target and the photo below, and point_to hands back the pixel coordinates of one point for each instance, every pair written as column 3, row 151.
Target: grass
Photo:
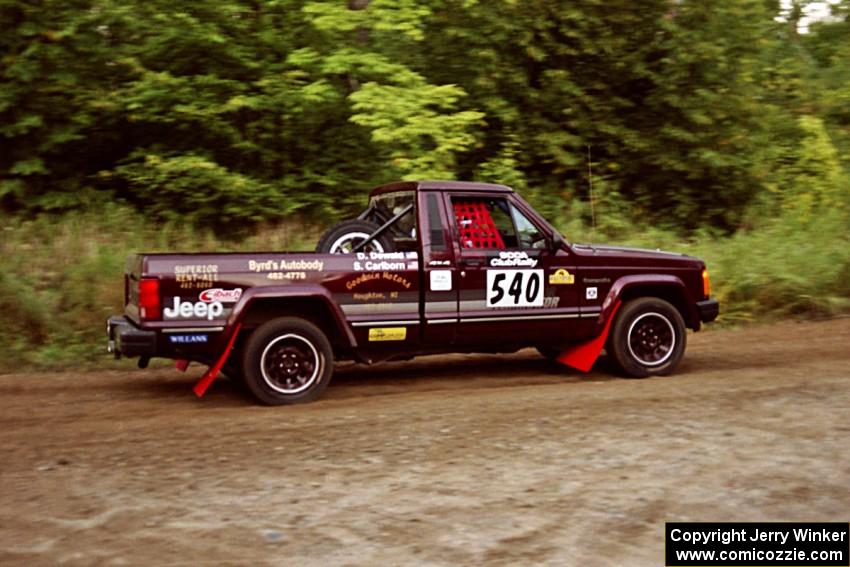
column 61, row 277
column 783, row 268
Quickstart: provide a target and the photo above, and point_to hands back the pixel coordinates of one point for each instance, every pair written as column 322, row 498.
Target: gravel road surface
column 446, row 460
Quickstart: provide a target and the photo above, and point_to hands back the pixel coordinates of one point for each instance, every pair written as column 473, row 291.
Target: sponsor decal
column 196, row 276
column 196, row 269
column 441, row 280
column 222, row 295
column 551, row 302
column 562, row 277
column 378, row 334
column 439, row 263
column 385, row 276
column 188, row 339
column 597, row 280
column 513, row 259
column 285, row 265
column 361, row 279
column 277, row 276
column 590, row 293
column 395, row 278
column 189, row 310
column 368, row 296
column 514, row 288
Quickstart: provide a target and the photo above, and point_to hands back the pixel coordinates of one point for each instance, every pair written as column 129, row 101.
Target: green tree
column 49, row 76
column 416, row 125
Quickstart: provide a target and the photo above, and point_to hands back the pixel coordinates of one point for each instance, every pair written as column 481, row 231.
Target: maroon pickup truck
column 429, row 267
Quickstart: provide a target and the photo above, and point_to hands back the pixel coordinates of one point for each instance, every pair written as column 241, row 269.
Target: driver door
column 515, row 287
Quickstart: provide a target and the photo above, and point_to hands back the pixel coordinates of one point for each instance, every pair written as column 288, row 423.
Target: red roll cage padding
column 476, row 226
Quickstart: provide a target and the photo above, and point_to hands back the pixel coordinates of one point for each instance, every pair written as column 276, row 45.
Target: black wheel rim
column 651, row 339
column 290, row 364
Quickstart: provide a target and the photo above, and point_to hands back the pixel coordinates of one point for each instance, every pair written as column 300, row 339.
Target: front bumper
column 125, row 339
column 708, row 309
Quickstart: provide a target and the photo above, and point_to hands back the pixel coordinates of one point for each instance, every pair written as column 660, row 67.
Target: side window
column 529, row 235
column 435, row 224
column 484, row 223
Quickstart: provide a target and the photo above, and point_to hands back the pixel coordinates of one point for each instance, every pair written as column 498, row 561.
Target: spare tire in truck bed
column 342, row 238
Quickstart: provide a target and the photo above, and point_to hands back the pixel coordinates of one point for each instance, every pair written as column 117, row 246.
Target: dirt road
column 499, row 460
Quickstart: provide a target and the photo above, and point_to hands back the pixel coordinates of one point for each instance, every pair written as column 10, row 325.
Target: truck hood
column 613, row 253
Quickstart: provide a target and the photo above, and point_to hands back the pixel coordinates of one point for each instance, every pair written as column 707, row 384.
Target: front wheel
column 287, row 361
column 648, row 338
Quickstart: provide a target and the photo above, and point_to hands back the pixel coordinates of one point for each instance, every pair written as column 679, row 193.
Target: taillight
column 149, row 307
column 706, row 284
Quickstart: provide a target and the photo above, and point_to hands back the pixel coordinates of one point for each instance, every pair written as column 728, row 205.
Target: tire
column 648, row 338
column 287, row 361
column 342, row 238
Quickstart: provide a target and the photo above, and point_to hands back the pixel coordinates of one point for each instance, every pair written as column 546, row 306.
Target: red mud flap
column 583, row 355
column 213, row 371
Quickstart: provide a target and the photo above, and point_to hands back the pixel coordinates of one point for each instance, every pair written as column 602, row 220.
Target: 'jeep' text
column 189, row 310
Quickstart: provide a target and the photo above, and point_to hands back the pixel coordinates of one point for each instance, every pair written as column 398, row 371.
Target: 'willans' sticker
column 188, row 339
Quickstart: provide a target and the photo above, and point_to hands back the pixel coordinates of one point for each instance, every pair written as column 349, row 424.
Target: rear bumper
column 708, row 309
column 125, row 339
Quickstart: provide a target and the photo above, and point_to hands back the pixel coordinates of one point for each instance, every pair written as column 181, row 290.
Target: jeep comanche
column 429, row 267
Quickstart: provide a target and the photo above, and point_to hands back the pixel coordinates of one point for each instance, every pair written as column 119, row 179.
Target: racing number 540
column 514, row 288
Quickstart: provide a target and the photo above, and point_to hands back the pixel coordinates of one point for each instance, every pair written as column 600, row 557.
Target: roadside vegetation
column 712, row 128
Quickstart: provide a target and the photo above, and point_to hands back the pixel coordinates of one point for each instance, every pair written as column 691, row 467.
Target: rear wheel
column 648, row 338
column 287, row 361
column 344, row 237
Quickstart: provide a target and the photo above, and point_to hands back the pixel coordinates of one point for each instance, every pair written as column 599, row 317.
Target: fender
column 296, row 291
column 227, row 338
column 623, row 284
column 583, row 355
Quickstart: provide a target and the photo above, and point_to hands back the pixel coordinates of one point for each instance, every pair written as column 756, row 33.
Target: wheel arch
column 311, row 303
column 665, row 287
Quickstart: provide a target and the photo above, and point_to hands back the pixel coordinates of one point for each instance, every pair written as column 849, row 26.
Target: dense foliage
column 235, row 111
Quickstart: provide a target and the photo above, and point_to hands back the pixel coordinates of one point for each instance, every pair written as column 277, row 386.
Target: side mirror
column 557, row 242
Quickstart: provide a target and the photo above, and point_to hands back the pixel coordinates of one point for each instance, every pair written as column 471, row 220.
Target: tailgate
column 132, row 274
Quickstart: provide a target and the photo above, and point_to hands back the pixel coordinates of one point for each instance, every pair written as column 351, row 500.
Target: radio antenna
column 592, row 210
